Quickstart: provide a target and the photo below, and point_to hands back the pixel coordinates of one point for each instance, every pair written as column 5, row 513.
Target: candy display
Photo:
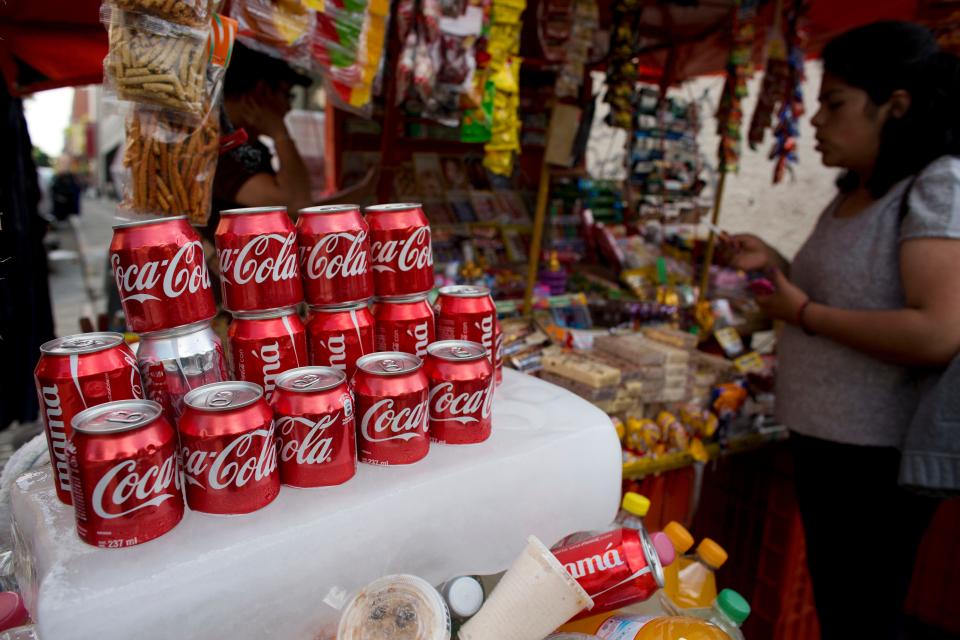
column 503, row 45
column 784, row 152
column 739, row 67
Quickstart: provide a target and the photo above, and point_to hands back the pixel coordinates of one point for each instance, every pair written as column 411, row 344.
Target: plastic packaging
column 278, row 28
column 153, row 61
column 619, row 626
column 696, row 583
column 193, row 13
column 397, row 606
column 171, row 164
column 682, row 543
column 729, row 611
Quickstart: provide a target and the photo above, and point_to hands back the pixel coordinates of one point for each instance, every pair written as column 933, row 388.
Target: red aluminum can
column 257, row 250
column 339, row 335
column 391, row 392
column 161, row 274
column 461, row 392
column 264, row 344
column 177, row 360
column 313, row 411
column 228, row 451
column 498, row 350
column 401, row 253
column 404, row 324
column 75, row 373
column 616, row 568
column 334, row 245
column 466, row 312
column 124, row 474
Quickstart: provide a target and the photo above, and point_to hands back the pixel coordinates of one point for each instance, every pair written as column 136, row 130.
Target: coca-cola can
column 400, row 249
column 339, row 335
column 467, row 312
column 174, row 361
column 461, row 392
column 334, row 245
column 313, row 413
column 75, row 373
column 124, row 473
column 619, row 566
column 391, row 392
column 264, row 344
column 404, row 324
column 498, row 351
column 228, row 451
column 257, row 250
column 161, row 274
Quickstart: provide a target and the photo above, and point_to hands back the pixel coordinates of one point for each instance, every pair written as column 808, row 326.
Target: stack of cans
column 136, row 439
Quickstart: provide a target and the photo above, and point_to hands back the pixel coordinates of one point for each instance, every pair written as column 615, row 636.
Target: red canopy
column 54, row 43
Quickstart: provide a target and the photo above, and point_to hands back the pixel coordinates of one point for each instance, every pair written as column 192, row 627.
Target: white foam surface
column 551, row 466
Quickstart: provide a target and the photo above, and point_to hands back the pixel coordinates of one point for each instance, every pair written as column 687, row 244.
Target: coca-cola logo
column 414, row 252
column 236, row 465
column 324, row 260
column 383, row 417
column 257, row 261
column 185, row 272
column 136, row 385
column 485, row 327
column 56, row 432
column 149, row 488
column 336, row 347
column 316, row 447
column 594, row 564
column 270, row 365
column 463, row 407
column 421, row 334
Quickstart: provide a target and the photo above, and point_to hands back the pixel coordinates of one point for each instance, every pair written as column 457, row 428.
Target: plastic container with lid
column 729, row 611
column 396, row 607
column 696, row 582
column 633, row 509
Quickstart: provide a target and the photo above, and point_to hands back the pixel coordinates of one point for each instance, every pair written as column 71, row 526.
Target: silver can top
column 249, row 210
column 116, row 417
column 416, row 297
column 389, row 363
column 177, row 332
column 464, row 291
column 223, row 396
column 265, row 314
column 310, row 379
column 397, row 206
column 457, row 350
column 330, row 208
column 140, row 223
column 81, row 343
column 346, row 306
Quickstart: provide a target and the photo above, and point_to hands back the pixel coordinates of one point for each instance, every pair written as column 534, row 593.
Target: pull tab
column 220, row 399
column 80, row 343
column 306, row 381
column 460, row 352
column 391, row 366
column 125, row 417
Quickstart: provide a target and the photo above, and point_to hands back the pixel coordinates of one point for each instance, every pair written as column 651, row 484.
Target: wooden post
column 539, row 219
column 712, row 240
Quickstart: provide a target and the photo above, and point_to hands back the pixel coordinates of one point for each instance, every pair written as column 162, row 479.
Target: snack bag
column 193, row 13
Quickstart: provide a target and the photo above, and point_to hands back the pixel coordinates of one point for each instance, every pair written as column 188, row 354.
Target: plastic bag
column 171, row 163
column 279, row 28
column 152, row 61
column 194, row 13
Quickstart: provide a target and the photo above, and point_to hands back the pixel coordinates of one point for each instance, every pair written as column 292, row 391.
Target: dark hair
column 247, row 67
column 883, row 57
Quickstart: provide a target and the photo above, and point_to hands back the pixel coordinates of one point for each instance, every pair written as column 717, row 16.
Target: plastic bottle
column 696, row 583
column 464, row 596
column 632, row 510
column 729, row 611
column 682, row 543
column 616, row 625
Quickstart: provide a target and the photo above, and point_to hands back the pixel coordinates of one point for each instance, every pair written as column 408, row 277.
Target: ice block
column 552, row 466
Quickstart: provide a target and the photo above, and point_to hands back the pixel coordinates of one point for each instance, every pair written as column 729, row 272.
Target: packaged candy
column 192, row 13
column 672, row 431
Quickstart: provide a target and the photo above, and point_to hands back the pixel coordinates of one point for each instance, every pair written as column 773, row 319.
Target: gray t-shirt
column 830, row 391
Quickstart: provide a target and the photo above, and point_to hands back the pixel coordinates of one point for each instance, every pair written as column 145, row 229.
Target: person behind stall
column 256, row 97
column 871, row 304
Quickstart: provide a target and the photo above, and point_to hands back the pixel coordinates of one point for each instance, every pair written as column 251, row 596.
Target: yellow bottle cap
column 679, row 536
column 636, row 504
column 711, row 553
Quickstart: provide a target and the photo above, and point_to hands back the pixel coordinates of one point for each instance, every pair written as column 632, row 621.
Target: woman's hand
column 747, row 252
column 784, row 303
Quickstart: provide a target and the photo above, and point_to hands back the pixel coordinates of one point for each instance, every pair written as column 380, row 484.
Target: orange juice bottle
column 682, row 543
column 619, row 626
column 696, row 583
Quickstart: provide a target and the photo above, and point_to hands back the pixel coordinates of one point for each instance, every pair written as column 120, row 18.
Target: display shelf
column 552, row 466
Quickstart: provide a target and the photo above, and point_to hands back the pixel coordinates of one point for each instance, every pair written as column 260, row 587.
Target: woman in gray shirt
column 872, row 306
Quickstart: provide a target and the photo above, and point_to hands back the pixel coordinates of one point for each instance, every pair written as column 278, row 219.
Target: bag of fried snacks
column 153, row 61
column 170, row 163
column 193, row 13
